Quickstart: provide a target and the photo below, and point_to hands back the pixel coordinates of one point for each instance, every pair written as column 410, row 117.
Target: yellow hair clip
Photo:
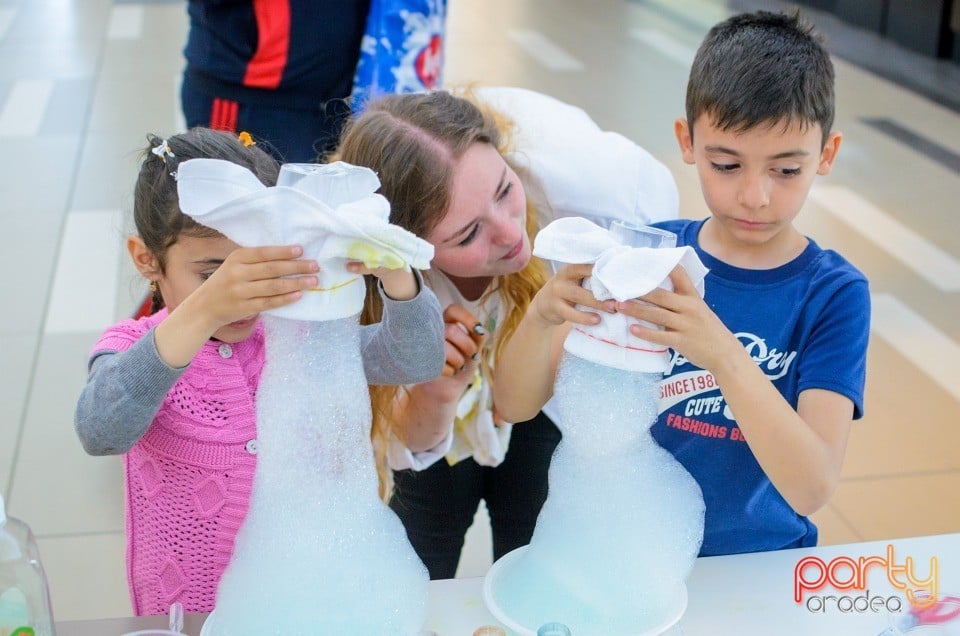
column 246, row 139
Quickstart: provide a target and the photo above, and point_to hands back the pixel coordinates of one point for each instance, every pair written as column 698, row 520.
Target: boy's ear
column 685, row 138
column 829, row 153
column 143, row 259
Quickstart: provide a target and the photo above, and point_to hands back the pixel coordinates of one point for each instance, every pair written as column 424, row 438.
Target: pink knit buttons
column 225, row 350
column 252, row 447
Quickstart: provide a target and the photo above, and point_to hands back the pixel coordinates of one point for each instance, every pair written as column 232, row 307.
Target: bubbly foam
column 319, row 552
column 623, row 520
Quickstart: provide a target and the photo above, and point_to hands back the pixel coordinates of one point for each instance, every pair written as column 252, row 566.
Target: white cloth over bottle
column 622, row 273
column 331, row 210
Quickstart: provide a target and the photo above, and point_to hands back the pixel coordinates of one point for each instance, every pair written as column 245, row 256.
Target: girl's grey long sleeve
column 407, row 345
column 125, row 390
column 123, row 393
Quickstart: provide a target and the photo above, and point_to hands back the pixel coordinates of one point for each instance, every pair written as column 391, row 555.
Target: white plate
column 673, row 616
column 207, row 628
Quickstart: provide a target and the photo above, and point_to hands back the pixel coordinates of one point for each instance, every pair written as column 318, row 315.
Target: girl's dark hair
column 156, row 208
column 762, row 68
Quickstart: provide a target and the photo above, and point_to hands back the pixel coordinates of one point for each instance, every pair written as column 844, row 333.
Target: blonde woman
column 477, row 175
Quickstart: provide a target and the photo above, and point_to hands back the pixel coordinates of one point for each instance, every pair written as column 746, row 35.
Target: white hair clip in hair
column 163, row 150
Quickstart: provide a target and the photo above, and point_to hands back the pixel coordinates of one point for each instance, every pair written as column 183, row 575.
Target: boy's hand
column 398, row 284
column 690, row 326
column 255, row 279
column 555, row 303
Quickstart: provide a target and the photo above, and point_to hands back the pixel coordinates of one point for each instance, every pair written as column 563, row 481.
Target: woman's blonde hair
column 412, row 142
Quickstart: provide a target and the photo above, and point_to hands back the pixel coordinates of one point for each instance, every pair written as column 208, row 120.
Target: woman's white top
column 569, row 167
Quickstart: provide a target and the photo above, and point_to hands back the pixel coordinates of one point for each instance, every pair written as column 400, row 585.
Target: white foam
column 319, row 553
column 623, row 521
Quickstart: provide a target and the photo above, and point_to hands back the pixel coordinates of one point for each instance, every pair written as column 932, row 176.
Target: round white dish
column 672, row 617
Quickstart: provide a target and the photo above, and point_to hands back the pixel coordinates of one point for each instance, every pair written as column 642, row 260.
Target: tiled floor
column 83, row 81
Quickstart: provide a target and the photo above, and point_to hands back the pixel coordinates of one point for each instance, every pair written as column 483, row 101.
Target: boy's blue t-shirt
column 806, row 324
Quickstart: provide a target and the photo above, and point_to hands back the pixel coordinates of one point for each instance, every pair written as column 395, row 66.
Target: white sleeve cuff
column 400, row 457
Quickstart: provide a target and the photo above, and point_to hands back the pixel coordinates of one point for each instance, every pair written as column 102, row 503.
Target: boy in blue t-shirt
column 768, row 369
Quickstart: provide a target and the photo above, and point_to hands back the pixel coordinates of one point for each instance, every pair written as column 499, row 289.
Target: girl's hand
column 398, row 284
column 555, row 303
column 689, row 326
column 426, row 412
column 252, row 280
column 464, row 337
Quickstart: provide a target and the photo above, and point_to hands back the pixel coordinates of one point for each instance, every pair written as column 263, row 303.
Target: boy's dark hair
column 156, row 206
column 762, row 68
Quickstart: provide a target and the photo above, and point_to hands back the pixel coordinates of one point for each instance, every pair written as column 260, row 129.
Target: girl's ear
column 681, row 128
column 143, row 259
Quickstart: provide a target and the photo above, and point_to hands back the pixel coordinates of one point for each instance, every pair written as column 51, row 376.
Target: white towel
column 578, row 164
column 331, row 210
column 622, row 273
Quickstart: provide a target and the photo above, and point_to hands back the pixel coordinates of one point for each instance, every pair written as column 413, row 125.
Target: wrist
column 190, row 318
column 442, row 391
column 400, row 284
column 731, row 359
column 535, row 316
column 178, row 338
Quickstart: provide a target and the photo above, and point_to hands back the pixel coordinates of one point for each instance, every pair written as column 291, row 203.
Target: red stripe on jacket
column 215, row 116
column 224, row 114
column 265, row 69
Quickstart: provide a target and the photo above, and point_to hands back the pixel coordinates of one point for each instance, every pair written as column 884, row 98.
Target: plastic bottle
column 24, row 597
column 553, row 629
column 636, row 235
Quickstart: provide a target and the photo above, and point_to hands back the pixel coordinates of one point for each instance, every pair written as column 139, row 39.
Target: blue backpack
column 402, row 49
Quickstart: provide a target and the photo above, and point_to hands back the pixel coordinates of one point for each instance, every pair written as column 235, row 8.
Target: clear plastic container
column 636, row 235
column 24, row 596
column 553, row 629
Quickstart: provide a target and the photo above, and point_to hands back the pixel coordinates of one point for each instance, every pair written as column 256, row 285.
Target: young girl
column 477, row 186
column 174, row 392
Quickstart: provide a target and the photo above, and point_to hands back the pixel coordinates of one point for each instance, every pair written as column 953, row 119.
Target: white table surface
column 737, row 594
column 748, row 593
